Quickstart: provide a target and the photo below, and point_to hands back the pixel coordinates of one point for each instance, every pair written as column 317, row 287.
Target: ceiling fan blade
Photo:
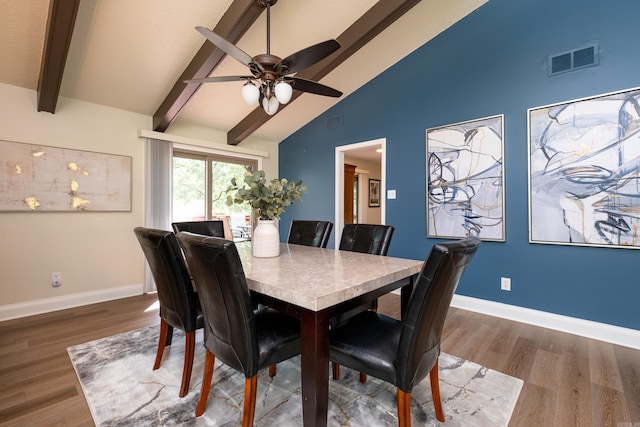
column 219, row 79
column 310, row 86
column 226, row 46
column 307, row 57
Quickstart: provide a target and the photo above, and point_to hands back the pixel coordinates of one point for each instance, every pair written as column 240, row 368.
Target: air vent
column 576, row 59
column 334, row 121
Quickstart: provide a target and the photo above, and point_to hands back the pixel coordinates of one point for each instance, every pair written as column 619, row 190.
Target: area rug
column 122, row 390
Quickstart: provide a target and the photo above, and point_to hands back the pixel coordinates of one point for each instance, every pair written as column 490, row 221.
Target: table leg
column 314, row 368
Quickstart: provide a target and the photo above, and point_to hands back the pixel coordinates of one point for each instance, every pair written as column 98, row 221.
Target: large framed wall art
column 584, row 164
column 465, row 179
column 42, row 178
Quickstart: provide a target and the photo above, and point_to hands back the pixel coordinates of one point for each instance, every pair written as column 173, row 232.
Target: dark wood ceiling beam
column 372, row 23
column 232, row 26
column 60, row 23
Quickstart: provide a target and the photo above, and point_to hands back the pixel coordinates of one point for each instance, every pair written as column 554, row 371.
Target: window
column 199, row 184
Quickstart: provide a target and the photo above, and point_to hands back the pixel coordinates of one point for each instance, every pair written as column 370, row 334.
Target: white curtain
column 158, row 183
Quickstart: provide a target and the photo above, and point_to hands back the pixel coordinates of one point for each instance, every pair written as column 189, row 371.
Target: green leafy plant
column 269, row 200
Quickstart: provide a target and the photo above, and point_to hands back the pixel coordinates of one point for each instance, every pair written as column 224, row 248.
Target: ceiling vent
column 334, row 121
column 576, row 59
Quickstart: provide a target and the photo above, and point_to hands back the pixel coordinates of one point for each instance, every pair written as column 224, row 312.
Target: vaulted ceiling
column 135, row 54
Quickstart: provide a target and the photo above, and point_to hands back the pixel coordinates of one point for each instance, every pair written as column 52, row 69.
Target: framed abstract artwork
column 38, row 178
column 584, row 167
column 465, row 179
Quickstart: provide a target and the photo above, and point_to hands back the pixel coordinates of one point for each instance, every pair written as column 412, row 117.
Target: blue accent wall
column 494, row 61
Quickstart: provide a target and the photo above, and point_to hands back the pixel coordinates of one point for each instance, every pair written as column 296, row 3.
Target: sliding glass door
column 199, row 184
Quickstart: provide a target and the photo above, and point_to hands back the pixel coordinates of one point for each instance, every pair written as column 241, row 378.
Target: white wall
column 92, row 250
column 96, row 252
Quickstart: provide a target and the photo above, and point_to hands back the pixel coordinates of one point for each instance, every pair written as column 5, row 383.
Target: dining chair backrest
column 214, row 228
column 310, row 233
column 176, row 297
column 225, row 300
column 427, row 309
column 366, row 238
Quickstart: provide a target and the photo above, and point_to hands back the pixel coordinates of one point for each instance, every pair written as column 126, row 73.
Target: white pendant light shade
column 270, row 105
column 250, row 93
column 283, row 92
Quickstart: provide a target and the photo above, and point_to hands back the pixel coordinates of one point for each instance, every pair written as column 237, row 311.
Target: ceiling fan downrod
column 268, row 4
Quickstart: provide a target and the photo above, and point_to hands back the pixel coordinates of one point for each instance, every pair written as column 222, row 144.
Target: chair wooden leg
column 207, row 376
column 189, row 350
column 435, row 392
column 169, row 335
column 404, row 409
column 335, row 368
column 272, row 371
column 164, row 330
column 250, row 391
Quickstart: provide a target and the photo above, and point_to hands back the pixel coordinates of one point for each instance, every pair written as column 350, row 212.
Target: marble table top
column 316, row 279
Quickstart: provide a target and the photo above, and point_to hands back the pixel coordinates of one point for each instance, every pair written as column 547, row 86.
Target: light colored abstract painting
column 584, row 168
column 465, row 179
column 42, row 178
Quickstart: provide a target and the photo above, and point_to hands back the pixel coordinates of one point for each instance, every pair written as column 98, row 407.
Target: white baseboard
column 586, row 328
column 14, row 311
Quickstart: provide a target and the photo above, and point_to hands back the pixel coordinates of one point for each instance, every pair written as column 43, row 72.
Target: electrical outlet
column 56, row 279
column 505, row 283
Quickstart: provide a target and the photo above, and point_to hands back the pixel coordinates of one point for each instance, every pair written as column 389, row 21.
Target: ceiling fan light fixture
column 270, row 105
column 272, row 78
column 250, row 93
column 283, row 91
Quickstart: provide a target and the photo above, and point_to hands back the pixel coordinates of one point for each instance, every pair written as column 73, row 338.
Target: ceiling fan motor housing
column 267, row 62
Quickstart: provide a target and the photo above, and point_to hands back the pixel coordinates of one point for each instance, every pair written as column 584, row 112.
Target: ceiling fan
column 272, row 74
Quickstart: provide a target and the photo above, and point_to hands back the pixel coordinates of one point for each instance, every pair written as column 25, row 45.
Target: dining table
column 313, row 285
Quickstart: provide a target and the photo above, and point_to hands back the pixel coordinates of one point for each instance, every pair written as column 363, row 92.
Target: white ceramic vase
column 265, row 240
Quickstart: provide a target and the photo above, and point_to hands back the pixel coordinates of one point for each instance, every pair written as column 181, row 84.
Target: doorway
column 372, row 157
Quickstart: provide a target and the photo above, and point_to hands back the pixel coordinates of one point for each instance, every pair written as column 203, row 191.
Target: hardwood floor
column 568, row 380
column 38, row 386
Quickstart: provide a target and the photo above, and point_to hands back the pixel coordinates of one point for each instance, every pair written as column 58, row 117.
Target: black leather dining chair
column 366, row 238
column 244, row 339
column 213, row 228
column 371, row 239
column 410, row 348
column 310, row 233
column 179, row 305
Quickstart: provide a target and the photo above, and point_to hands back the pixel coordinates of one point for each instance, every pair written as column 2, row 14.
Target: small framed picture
column 374, row 193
